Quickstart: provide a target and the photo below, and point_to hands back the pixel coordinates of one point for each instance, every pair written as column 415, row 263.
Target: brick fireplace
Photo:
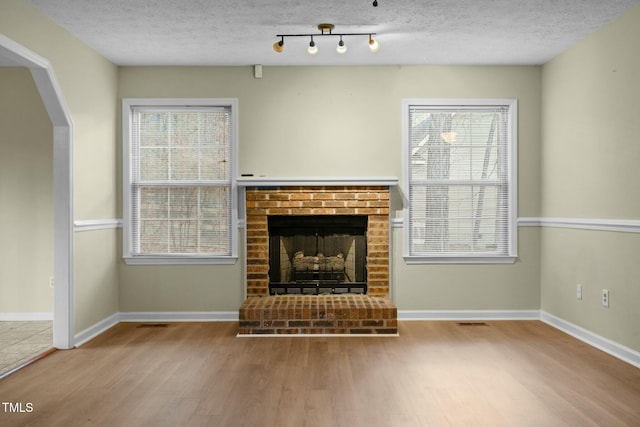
column 328, row 312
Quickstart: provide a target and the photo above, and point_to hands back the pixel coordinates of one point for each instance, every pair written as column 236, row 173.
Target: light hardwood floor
column 520, row 373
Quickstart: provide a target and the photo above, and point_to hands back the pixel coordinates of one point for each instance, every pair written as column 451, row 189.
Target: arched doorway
column 16, row 55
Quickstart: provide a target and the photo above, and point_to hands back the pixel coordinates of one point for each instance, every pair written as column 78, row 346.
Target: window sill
column 459, row 260
column 177, row 260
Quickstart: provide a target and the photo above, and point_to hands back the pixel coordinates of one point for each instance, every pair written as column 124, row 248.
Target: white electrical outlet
column 579, row 291
column 605, row 298
column 51, row 282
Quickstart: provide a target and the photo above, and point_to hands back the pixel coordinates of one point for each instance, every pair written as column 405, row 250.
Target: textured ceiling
column 411, row 32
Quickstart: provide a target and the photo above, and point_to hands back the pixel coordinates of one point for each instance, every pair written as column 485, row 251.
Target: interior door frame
column 14, row 54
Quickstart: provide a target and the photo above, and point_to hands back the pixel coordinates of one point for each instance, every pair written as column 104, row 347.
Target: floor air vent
column 153, row 325
column 472, row 324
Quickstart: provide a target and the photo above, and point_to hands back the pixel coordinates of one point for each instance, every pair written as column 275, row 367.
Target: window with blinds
column 461, row 179
column 179, row 185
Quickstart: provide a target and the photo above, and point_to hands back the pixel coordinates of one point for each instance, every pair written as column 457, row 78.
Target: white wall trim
column 621, row 225
column 529, row 222
column 262, row 181
column 95, row 330
column 397, row 222
column 468, row 315
column 96, row 224
column 56, row 106
column 150, row 316
column 26, row 316
column 179, row 316
column 613, row 348
column 180, row 260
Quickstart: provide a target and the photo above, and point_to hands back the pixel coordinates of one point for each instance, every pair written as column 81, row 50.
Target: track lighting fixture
column 375, row 3
column 326, row 30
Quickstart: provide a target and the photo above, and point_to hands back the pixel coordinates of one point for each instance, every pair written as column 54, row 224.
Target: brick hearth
column 373, row 313
column 318, row 314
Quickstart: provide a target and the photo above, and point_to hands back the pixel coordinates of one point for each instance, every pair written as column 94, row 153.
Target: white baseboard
column 179, row 316
column 97, row 329
column 26, row 316
column 611, row 347
column 149, row 316
column 468, row 314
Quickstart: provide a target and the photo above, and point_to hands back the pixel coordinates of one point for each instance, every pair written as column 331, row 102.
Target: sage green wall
column 471, row 287
column 590, row 158
column 88, row 83
column 344, row 121
column 26, row 196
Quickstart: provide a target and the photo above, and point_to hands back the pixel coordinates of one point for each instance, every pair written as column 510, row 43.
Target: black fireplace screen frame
column 317, row 254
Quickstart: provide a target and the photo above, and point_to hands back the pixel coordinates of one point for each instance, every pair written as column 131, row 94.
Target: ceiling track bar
column 326, row 34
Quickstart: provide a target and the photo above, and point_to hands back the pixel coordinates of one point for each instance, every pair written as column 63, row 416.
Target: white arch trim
column 14, row 54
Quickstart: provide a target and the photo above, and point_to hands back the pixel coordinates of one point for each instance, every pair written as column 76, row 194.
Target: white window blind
column 180, row 197
column 461, row 181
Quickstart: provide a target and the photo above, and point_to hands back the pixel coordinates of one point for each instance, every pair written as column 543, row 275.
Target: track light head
column 375, row 3
column 279, row 45
column 312, row 49
column 342, row 48
column 374, row 46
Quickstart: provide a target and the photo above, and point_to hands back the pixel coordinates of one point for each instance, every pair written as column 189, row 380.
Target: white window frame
column 127, row 238
column 512, row 163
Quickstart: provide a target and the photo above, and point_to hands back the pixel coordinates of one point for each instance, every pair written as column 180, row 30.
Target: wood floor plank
column 520, row 373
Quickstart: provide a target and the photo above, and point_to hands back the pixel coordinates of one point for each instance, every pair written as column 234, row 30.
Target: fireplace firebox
column 317, row 254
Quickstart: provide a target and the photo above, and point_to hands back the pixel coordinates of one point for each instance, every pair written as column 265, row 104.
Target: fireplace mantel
column 263, row 181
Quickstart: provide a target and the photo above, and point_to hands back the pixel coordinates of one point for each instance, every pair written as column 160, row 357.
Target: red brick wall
column 372, row 201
